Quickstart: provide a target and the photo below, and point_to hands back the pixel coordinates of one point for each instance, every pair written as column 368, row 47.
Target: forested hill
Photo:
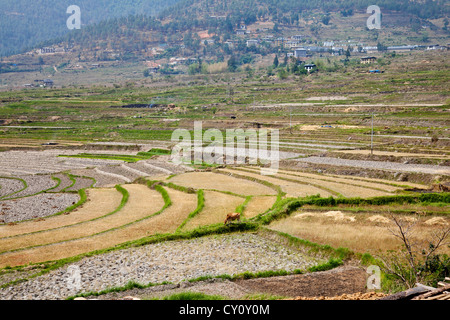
column 282, row 10
column 25, row 23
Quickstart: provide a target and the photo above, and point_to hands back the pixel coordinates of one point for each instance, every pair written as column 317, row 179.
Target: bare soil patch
column 35, row 207
column 343, row 283
column 342, row 280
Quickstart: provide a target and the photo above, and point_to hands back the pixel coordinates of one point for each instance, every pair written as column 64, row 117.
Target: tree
column 275, row 61
column 381, row 47
column 232, row 64
column 326, row 20
column 348, row 53
column 418, row 261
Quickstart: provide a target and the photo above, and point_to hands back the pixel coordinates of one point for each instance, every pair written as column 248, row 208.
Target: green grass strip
column 25, row 186
column 200, row 206
column 73, row 179
column 119, row 157
column 240, row 209
column 129, row 286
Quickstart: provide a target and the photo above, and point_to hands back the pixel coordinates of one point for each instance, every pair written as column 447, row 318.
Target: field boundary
column 25, row 186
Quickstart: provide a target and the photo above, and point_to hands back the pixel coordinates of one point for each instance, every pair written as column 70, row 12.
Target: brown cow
column 233, row 216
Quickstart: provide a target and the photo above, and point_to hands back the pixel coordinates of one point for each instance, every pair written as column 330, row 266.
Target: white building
column 300, row 53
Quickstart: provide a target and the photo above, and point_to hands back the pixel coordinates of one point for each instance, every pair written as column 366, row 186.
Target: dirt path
column 331, row 283
column 328, row 283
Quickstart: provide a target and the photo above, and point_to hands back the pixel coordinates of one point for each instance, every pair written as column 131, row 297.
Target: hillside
column 22, row 25
column 198, row 36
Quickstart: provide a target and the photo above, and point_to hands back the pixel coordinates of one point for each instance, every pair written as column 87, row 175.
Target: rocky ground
column 173, row 261
column 38, row 206
column 343, row 283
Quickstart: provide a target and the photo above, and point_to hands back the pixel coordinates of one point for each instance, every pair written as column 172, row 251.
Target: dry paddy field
column 214, row 181
column 257, row 205
column 217, row 206
column 300, row 184
column 100, row 223
column 120, row 209
column 361, row 232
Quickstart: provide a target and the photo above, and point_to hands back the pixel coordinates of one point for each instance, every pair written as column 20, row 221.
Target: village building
column 252, row 42
column 309, row 67
column 300, row 53
column 367, row 60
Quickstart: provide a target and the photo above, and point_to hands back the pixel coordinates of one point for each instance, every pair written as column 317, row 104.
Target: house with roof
column 300, row 53
column 367, row 60
column 310, row 67
column 252, row 42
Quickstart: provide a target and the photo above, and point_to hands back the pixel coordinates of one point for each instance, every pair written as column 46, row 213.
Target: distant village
column 299, row 47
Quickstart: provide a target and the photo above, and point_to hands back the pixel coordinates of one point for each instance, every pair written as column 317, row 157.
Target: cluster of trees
column 289, row 11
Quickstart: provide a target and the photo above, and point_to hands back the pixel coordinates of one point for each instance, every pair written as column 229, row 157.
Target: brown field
column 257, row 205
column 367, row 184
column 100, row 202
column 345, row 189
column 364, row 182
column 292, row 189
column 168, row 221
column 358, row 232
column 221, row 182
column 134, row 210
column 217, row 206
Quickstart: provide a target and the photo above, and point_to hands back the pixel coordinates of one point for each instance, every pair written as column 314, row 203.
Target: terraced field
column 108, row 206
column 300, row 184
column 213, row 181
column 360, row 232
column 217, row 206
